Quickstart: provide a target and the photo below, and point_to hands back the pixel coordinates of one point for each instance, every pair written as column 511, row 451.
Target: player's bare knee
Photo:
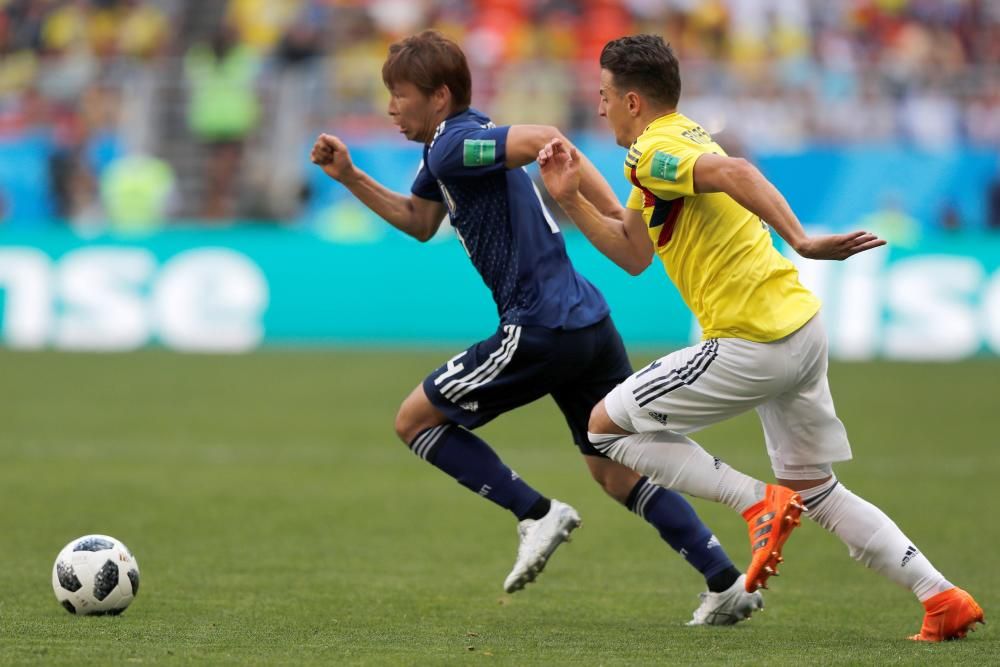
column 405, row 425
column 415, row 415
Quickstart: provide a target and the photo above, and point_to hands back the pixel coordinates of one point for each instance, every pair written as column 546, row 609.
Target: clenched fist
column 330, row 153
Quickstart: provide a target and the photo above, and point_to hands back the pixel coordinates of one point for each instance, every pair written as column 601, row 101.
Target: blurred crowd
column 140, row 96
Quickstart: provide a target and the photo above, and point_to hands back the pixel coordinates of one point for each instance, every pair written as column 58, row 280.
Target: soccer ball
column 95, row 575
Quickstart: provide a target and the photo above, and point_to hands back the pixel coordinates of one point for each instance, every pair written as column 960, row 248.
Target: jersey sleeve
column 636, row 199
column 467, row 153
column 666, row 168
column 425, row 186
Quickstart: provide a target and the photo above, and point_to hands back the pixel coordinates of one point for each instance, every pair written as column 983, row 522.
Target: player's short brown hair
column 430, row 60
column 644, row 64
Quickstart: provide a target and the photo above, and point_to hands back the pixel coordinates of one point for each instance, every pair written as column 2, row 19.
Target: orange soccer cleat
column 949, row 615
column 771, row 521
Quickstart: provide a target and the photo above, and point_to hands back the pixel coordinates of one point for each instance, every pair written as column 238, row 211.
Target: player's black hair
column 430, row 60
column 644, row 64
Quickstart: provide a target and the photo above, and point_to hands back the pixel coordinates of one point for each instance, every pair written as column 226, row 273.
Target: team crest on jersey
column 479, row 152
column 664, row 166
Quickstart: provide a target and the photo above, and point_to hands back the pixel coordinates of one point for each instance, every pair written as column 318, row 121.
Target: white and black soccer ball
column 95, row 575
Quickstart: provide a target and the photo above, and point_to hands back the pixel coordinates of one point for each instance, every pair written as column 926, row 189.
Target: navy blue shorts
column 520, row 364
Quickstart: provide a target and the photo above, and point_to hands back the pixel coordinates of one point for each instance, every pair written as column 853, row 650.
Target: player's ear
column 441, row 97
column 634, row 103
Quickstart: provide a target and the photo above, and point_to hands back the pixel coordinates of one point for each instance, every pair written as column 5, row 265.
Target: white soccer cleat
column 539, row 539
column 728, row 607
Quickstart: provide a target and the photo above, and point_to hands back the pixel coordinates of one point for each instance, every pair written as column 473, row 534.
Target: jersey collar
column 667, row 119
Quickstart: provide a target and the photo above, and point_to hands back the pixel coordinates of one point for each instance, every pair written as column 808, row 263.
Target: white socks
column 873, row 539
column 679, row 463
column 676, row 462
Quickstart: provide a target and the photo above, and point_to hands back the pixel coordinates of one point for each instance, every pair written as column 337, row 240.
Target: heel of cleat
column 950, row 615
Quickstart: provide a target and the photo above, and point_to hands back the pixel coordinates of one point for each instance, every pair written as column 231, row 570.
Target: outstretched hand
column 559, row 164
column 839, row 246
column 330, row 153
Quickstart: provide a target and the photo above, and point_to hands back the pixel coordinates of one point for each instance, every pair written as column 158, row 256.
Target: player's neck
column 648, row 117
column 437, row 119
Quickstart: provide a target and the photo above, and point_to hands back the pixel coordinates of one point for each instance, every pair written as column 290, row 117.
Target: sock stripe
column 643, row 497
column 419, row 441
column 812, row 503
column 431, row 441
column 424, row 442
column 634, row 493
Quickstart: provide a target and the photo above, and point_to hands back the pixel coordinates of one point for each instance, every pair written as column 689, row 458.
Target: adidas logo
column 718, row 462
column 469, row 406
column 713, row 542
column 658, row 416
column 485, row 491
column 911, row 553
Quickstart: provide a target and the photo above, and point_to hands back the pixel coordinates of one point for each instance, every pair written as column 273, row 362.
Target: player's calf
column 877, row 542
column 678, row 525
column 616, row 480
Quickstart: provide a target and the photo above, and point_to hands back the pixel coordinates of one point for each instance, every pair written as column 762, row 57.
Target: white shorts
column 785, row 380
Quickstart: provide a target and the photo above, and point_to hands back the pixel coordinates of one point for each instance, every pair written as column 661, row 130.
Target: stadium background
column 155, row 192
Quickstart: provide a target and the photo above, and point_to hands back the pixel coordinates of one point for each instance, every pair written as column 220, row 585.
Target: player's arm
column 624, row 240
column 413, row 215
column 524, row 142
column 750, row 189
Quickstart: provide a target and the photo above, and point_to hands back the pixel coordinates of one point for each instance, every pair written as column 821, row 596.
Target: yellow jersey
column 718, row 254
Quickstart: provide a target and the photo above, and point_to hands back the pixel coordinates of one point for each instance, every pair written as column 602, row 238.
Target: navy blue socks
column 679, row 526
column 475, row 466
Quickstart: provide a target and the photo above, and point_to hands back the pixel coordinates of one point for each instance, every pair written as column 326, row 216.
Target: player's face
column 614, row 107
column 412, row 111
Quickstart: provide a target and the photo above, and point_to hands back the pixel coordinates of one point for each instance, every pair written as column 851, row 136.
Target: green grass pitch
column 276, row 519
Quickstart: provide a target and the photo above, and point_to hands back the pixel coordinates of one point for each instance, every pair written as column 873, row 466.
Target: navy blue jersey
column 507, row 232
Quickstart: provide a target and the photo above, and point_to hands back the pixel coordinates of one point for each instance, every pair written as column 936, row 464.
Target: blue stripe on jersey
column 508, row 234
